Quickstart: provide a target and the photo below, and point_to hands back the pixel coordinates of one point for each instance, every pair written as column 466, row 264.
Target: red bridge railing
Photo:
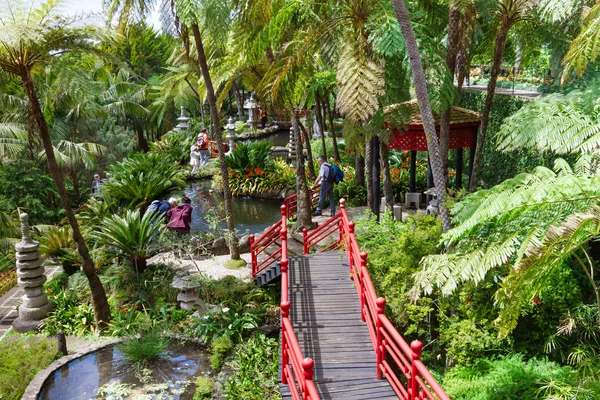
column 296, row 370
column 291, row 202
column 392, row 352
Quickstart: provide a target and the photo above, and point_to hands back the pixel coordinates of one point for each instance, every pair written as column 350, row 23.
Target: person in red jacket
column 180, row 217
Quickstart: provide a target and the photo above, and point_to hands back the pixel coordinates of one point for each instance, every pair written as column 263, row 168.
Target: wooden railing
column 266, row 240
column 323, row 231
column 392, row 352
column 291, row 202
column 296, row 370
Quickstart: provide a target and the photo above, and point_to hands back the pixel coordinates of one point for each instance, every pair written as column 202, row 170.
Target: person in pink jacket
column 180, row 217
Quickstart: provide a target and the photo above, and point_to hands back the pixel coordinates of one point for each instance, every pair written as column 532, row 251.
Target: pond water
column 249, row 213
column 105, row 374
column 279, row 138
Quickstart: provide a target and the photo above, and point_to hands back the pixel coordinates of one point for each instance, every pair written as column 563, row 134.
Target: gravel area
column 213, row 266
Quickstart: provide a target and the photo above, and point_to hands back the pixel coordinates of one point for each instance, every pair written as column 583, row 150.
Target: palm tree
column 510, row 12
column 31, row 39
column 420, row 83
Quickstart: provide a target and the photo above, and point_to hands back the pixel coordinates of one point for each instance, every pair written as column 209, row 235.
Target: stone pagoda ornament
column 182, row 121
column 30, row 273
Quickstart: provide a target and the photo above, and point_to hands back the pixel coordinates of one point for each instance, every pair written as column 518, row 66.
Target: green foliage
column 224, row 321
column 257, row 181
column 220, row 348
column 175, row 145
column 255, row 367
column 145, row 348
column 20, row 361
column 23, row 184
column 69, row 315
column 55, row 243
column 510, row 377
column 141, row 178
column 392, row 272
column 205, row 387
column 129, row 236
column 246, row 157
column 464, row 340
column 498, row 166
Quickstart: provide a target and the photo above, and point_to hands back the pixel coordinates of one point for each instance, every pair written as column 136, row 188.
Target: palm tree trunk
column 142, row 142
column 304, row 217
column 499, row 45
column 30, row 132
column 453, row 22
column 214, row 114
column 359, row 171
column 76, row 191
column 99, row 301
column 336, row 151
column 305, row 135
column 238, row 101
column 369, row 173
column 420, row 83
column 388, row 189
column 321, row 122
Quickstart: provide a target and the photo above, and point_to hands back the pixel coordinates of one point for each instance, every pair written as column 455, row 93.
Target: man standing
column 202, row 143
column 96, row 185
column 327, row 179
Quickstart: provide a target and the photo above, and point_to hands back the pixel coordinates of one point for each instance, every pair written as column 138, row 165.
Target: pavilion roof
column 410, row 109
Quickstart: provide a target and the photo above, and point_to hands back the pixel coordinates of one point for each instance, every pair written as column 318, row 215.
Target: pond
column 105, row 374
column 278, row 138
column 249, row 213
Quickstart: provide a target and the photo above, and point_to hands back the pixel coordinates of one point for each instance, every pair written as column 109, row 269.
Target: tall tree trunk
column 321, row 123
column 304, row 207
column 359, row 171
column 369, row 173
column 76, row 191
column 141, row 139
column 214, row 114
column 336, row 151
column 452, row 51
column 388, row 189
column 99, row 301
column 499, row 45
column 420, row 83
column 238, row 101
column 306, row 139
column 30, row 133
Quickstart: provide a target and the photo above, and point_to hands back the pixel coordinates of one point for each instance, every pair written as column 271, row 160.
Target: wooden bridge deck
column 325, row 313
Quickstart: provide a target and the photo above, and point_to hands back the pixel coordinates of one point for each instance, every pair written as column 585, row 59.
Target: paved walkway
column 10, row 301
column 530, row 94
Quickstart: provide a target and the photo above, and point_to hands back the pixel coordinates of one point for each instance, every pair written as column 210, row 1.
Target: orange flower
column 258, row 171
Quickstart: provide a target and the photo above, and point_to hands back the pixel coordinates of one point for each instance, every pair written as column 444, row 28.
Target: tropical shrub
column 258, row 181
column 55, row 243
column 392, row 271
column 130, row 236
column 141, row 178
column 225, row 321
column 205, row 387
column 347, row 189
column 510, row 376
column 142, row 349
column 220, row 348
column 175, row 145
column 255, row 370
column 246, row 157
column 20, row 361
column 69, row 315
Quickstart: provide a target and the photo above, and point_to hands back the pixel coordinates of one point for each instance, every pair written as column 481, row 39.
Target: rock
column 30, row 273
column 34, row 255
column 219, row 242
column 32, row 282
column 37, row 301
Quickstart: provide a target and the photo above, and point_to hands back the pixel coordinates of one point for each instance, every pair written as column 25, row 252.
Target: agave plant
column 130, row 236
column 141, row 178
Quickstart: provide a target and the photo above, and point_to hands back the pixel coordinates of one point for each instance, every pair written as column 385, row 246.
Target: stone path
column 10, row 301
column 530, row 94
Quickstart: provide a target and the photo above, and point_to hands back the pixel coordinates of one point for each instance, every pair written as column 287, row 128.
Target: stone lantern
column 292, row 148
column 250, row 106
column 31, row 278
column 182, row 121
column 230, row 134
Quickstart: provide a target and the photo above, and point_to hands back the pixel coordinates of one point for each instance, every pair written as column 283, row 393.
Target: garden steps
column 325, row 314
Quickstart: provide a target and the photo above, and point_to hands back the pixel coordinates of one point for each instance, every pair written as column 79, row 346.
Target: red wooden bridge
column 336, row 342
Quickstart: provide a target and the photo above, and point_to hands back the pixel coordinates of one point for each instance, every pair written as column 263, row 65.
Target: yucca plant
column 141, row 178
column 129, row 237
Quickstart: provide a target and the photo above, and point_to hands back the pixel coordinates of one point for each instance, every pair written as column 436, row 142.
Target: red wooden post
column 283, row 212
column 285, row 312
column 380, row 349
column 363, row 265
column 304, row 234
column 253, row 255
column 307, row 365
column 350, row 249
column 342, row 203
column 416, row 347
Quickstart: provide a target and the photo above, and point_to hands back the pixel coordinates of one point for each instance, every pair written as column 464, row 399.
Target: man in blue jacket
column 327, row 179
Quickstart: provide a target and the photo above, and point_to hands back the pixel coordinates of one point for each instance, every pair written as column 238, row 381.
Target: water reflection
column 98, row 374
column 279, row 138
column 251, row 214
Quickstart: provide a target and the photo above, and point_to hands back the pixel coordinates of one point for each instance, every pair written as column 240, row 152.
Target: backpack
column 330, row 175
column 200, row 141
column 339, row 174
